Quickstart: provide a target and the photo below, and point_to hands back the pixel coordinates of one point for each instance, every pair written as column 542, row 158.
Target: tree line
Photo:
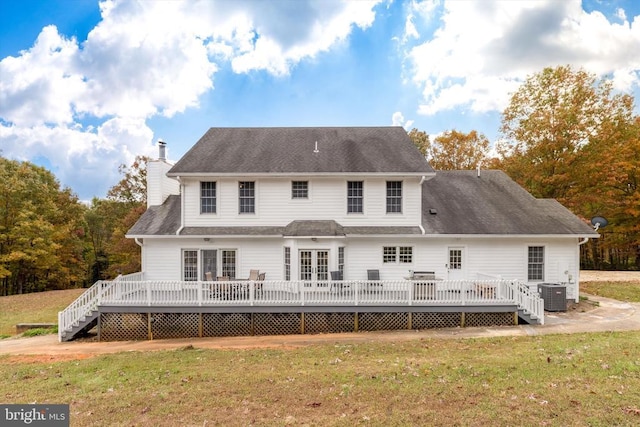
column 569, row 136
column 565, row 135
column 50, row 240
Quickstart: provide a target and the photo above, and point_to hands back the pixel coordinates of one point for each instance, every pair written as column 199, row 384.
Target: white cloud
column 285, row 37
column 89, row 158
column 143, row 59
column 483, row 50
column 41, row 85
column 397, row 119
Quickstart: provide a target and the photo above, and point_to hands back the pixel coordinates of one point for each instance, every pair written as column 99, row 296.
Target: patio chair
column 372, row 285
column 253, row 274
column 259, row 291
column 336, row 281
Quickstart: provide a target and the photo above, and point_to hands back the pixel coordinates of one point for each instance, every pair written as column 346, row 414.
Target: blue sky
column 87, row 85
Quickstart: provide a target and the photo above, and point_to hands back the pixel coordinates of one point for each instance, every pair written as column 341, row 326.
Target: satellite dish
column 599, row 222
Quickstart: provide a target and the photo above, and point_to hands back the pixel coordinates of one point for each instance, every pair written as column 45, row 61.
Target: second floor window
column 247, row 196
column 207, row 197
column 394, row 196
column 355, row 196
column 299, row 189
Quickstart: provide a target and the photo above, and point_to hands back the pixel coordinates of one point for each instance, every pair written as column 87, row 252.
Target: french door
column 314, row 268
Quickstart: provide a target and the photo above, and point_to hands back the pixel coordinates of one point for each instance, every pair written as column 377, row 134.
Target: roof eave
column 262, row 174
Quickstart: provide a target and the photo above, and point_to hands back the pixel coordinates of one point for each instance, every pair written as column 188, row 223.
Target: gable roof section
column 288, row 150
column 492, row 204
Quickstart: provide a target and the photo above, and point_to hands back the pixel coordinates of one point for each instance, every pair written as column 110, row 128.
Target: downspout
column 422, row 180
column 142, row 261
column 181, row 207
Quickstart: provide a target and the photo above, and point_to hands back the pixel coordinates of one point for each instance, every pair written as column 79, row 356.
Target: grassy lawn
column 40, row 307
column 550, row 380
column 621, row 291
column 559, row 380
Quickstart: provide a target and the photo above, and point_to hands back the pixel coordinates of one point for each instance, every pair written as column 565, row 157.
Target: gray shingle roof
column 291, row 150
column 313, row 228
column 163, row 220
column 492, row 204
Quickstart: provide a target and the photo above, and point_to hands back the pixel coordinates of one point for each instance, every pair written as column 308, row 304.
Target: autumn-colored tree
column 102, row 218
column 421, row 140
column 455, row 150
column 132, row 188
column 550, row 118
column 568, row 136
column 41, row 231
column 108, row 221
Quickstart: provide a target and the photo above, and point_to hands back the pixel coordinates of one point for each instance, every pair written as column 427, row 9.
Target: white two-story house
column 298, row 203
column 310, row 206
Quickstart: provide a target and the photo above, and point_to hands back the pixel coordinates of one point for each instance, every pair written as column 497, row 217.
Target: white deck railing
column 132, row 290
column 89, row 300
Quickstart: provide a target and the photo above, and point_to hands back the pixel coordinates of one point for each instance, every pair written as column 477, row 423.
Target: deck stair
column 82, row 326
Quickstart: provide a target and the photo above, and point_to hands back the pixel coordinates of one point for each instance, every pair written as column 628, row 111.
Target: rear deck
column 132, row 308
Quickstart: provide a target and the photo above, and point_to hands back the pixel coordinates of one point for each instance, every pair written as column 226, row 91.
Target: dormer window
column 247, row 196
column 299, row 189
column 207, row 197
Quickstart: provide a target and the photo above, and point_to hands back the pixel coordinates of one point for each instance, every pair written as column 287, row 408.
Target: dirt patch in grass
column 44, row 358
column 582, row 307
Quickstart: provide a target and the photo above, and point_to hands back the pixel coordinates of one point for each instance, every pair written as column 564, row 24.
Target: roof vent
column 162, row 148
column 316, row 149
column 433, row 211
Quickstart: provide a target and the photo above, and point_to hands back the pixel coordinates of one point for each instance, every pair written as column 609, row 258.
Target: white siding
column 163, row 257
column 327, row 200
column 159, row 186
column 503, row 257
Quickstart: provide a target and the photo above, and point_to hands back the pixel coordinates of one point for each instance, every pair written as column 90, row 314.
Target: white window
column 189, row 265
column 355, row 196
column 299, row 189
column 397, row 254
column 207, row 197
column 535, row 269
column 287, row 263
column 247, row 196
column 394, row 196
column 229, row 263
column 207, row 264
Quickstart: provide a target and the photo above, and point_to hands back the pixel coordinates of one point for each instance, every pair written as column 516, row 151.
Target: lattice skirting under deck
column 143, row 326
